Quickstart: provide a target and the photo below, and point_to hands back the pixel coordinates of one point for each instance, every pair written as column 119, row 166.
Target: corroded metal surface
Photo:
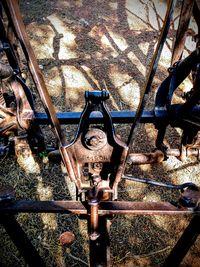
column 95, row 160
column 146, row 158
column 96, row 154
column 19, row 116
column 185, row 15
column 105, row 208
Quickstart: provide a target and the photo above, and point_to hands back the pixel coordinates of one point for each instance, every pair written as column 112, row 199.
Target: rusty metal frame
column 99, row 248
column 97, row 213
column 105, row 208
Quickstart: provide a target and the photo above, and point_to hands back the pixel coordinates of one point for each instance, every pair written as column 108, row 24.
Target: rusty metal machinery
column 96, row 158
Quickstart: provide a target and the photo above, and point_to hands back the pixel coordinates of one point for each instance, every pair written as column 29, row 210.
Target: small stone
column 66, row 238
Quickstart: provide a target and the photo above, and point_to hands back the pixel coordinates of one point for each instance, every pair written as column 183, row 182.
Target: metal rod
column 13, row 12
column 196, row 14
column 134, row 158
column 162, row 184
column 21, row 241
column 146, row 158
column 153, row 67
column 194, row 98
column 6, row 46
column 100, row 248
column 185, row 15
column 185, row 242
column 75, row 207
column 117, row 116
column 94, row 221
column 105, row 207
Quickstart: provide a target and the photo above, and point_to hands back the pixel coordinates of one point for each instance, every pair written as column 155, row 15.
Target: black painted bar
column 119, row 116
column 96, row 117
column 21, row 241
column 100, row 248
column 185, row 242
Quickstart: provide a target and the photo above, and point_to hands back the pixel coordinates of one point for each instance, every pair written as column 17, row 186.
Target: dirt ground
column 93, row 45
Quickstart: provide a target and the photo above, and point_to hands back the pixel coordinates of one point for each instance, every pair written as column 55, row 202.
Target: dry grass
column 83, row 45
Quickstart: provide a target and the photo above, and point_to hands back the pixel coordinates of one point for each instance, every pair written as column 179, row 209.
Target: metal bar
column 13, row 12
column 146, row 158
column 179, row 73
column 161, row 184
column 21, row 241
column 141, row 208
column 94, row 221
column 194, row 98
column 117, row 117
column 7, row 47
column 100, row 248
column 196, row 14
column 134, row 158
column 153, row 67
column 75, row 207
column 105, row 208
column 186, row 13
column 185, row 242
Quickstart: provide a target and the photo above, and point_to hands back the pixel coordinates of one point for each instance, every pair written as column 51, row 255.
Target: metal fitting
column 95, row 139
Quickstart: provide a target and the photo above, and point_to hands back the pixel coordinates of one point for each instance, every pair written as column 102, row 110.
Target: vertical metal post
column 20, row 239
column 185, row 242
column 94, row 221
column 100, row 247
column 153, row 68
column 186, row 13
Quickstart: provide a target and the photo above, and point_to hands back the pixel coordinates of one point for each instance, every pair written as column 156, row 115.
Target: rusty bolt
column 96, row 179
column 94, row 236
column 97, row 166
column 66, row 238
column 95, row 139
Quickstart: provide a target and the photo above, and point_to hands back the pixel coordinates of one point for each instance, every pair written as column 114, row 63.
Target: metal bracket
column 96, row 152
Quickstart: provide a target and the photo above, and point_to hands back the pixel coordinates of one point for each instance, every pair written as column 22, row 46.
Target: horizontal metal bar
column 105, row 208
column 117, row 116
column 141, row 208
column 96, row 117
column 34, row 206
column 146, row 158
